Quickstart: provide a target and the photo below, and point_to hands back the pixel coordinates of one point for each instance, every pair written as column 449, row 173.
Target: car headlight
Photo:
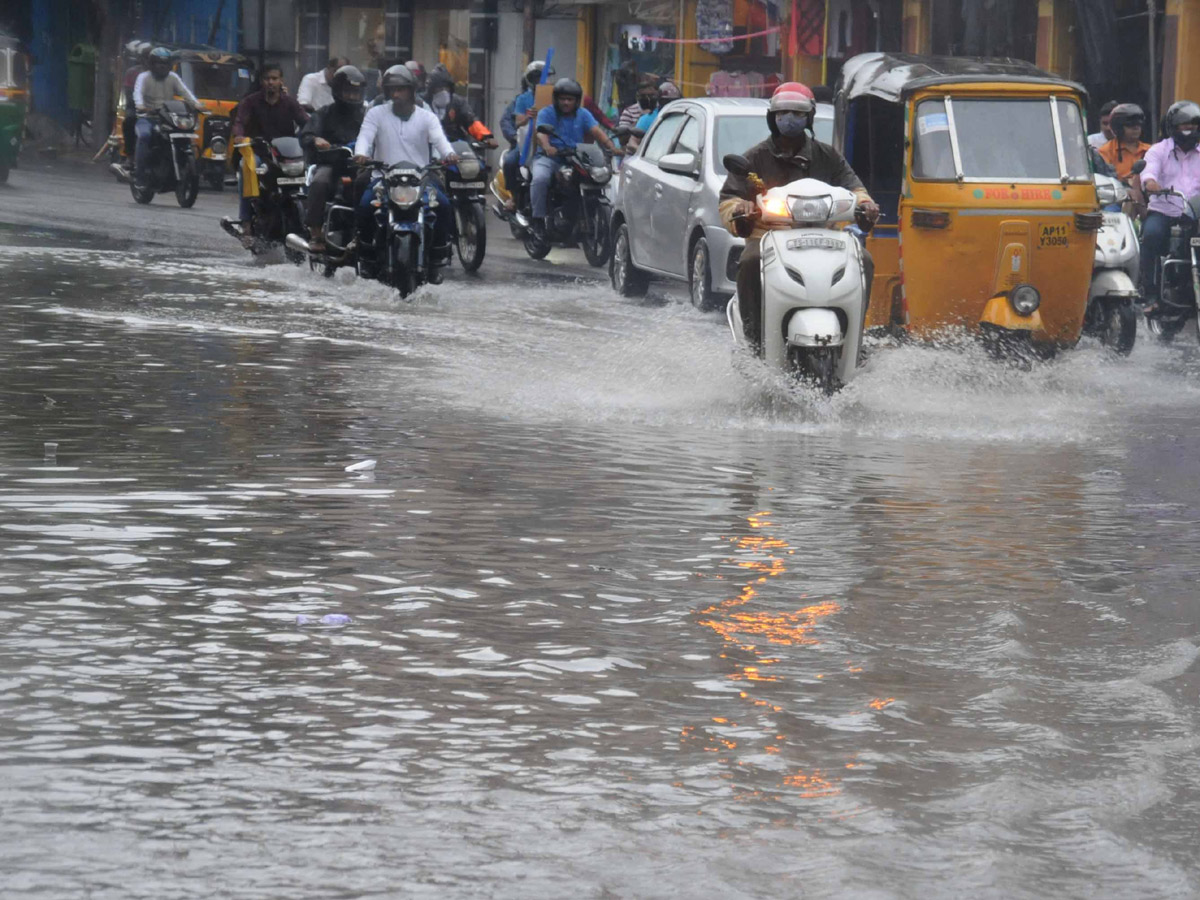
column 404, row 194
column 1025, row 299
column 469, row 169
column 292, row 167
column 601, row 174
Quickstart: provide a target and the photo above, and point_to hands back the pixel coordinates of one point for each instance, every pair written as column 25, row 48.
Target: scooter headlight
column 404, row 194
column 1025, row 299
column 809, row 210
column 1107, row 194
column 292, row 167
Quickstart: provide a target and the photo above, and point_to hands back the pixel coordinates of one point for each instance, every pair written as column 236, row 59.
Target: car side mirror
column 1139, row 167
column 679, row 163
column 736, row 164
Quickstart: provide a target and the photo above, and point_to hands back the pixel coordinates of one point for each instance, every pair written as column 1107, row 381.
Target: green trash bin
column 81, row 77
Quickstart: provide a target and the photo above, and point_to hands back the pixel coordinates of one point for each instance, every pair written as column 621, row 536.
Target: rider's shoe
column 435, row 275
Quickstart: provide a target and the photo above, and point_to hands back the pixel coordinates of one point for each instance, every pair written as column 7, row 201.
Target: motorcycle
column 1177, row 273
column 466, row 182
column 577, row 208
column 813, row 283
column 399, row 251
column 1111, row 313
column 338, row 218
column 278, row 210
column 171, row 164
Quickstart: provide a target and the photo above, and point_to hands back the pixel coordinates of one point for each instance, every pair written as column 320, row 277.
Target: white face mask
column 441, row 99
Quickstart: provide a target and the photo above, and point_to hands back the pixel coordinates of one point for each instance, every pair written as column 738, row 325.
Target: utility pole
column 529, row 33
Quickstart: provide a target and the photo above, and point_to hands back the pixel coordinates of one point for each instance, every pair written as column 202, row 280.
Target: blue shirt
column 523, row 103
column 644, row 123
column 569, row 130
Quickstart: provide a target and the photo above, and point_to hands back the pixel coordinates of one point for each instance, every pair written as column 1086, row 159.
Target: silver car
column 665, row 221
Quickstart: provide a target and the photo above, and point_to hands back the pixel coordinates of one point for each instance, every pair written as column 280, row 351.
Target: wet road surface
column 627, row 621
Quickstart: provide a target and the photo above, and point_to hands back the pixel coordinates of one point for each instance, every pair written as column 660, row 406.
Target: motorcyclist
column 454, row 112
column 153, row 89
column 335, row 125
column 520, row 111
column 667, row 92
column 1126, row 147
column 791, row 152
column 267, row 113
column 1173, row 162
column 647, row 99
column 401, row 131
column 569, row 126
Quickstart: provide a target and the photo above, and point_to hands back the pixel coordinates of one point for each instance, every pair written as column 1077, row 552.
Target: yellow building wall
column 1055, row 38
column 1180, row 65
column 917, row 34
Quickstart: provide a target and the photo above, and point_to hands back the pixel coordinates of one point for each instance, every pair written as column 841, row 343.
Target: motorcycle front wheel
column 472, row 235
column 404, row 264
column 143, row 195
column 188, row 186
column 596, row 243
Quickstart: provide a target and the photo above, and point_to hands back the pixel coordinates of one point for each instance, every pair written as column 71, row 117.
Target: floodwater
column 626, row 621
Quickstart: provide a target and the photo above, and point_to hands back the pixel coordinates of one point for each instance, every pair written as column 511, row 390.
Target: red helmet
column 793, row 97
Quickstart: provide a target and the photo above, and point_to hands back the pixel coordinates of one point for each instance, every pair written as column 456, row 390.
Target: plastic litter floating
column 327, row 619
column 367, row 465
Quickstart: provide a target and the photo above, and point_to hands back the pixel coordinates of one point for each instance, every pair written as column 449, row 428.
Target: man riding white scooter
column 790, row 153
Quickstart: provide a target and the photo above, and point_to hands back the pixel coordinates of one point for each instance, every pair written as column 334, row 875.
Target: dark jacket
column 256, row 118
column 336, row 123
column 458, row 119
column 776, row 165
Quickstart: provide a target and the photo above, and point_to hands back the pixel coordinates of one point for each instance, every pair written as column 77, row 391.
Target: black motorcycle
column 399, row 248
column 278, row 210
column 171, row 164
column 466, row 182
column 578, row 212
column 338, row 217
column 1177, row 273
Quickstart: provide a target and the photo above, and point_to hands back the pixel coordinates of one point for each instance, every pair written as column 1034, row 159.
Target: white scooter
column 1111, row 312
column 813, row 289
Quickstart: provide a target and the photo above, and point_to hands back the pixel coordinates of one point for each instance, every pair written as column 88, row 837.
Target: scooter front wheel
column 816, row 366
column 1118, row 328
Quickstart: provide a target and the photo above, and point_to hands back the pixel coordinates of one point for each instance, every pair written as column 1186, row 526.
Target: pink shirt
column 1172, row 168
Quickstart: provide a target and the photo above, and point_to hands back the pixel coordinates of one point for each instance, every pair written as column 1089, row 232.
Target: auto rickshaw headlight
column 1025, row 299
column 218, row 145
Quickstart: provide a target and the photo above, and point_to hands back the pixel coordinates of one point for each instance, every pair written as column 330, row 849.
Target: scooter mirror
column 736, row 164
column 1139, row 167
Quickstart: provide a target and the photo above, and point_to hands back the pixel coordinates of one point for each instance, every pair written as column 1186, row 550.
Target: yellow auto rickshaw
column 990, row 212
column 219, row 80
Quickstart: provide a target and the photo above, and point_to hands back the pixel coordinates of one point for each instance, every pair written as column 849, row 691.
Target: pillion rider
column 790, row 153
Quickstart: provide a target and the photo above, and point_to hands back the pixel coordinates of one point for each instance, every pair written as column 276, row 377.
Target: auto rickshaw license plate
column 1053, row 236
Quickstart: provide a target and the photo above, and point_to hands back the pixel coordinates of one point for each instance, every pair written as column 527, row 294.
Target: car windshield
column 215, row 81
column 737, row 134
column 999, row 140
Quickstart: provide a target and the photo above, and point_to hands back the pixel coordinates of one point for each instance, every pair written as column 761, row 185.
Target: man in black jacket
column 790, row 153
column 335, row 125
column 459, row 121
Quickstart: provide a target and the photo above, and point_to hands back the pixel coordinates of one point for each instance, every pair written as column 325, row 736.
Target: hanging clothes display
column 714, row 25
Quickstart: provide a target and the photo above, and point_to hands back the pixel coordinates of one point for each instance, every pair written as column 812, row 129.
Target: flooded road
column 626, row 621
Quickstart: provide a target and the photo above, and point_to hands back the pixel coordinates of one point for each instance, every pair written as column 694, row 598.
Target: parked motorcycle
column 171, row 164
column 466, row 182
column 1111, row 312
column 278, row 210
column 577, row 208
column 813, row 285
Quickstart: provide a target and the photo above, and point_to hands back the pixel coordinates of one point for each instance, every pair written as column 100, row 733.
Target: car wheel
column 627, row 279
column 704, row 298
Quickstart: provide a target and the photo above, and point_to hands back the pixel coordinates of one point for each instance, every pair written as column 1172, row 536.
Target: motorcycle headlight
column 469, row 169
column 601, row 174
column 404, row 194
column 183, row 123
column 1025, row 299
column 292, row 167
column 566, row 172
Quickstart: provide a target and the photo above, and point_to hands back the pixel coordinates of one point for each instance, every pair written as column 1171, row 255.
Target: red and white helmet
column 791, row 96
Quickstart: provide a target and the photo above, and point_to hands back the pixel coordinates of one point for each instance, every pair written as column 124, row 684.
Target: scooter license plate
column 1112, row 220
column 297, row 180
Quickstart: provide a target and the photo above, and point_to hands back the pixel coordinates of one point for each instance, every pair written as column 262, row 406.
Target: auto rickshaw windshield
column 984, row 139
column 216, row 81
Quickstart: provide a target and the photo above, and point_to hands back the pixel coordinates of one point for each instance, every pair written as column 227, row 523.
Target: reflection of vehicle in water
column 14, row 102
column 219, row 80
column 981, row 170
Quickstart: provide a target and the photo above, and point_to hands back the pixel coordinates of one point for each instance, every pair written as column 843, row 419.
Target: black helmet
column 533, row 72
column 441, row 78
column 1125, row 115
column 399, row 76
column 568, row 87
column 348, row 78
column 1183, row 113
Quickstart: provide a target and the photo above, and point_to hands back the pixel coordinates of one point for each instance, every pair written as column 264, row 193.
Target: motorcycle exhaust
column 297, row 243
column 120, row 171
